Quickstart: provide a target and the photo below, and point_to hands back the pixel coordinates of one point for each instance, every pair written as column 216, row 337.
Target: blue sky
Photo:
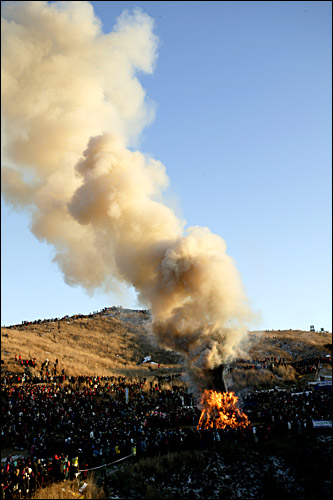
column 242, row 92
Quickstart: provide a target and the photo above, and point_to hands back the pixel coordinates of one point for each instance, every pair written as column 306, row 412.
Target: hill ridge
column 117, row 339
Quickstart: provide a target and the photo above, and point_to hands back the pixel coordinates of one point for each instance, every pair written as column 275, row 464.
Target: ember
column 220, row 411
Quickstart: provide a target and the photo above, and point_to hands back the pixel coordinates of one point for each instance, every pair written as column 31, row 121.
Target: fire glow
column 220, row 411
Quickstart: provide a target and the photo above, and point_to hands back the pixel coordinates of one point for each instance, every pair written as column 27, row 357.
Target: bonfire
column 219, row 410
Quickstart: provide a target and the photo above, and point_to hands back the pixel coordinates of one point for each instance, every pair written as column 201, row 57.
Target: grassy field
column 98, row 345
column 116, row 343
column 70, row 489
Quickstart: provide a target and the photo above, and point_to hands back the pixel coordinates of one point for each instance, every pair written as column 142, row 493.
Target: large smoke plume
column 73, row 110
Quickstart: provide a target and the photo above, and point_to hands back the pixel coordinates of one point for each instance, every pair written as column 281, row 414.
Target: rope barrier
column 106, row 465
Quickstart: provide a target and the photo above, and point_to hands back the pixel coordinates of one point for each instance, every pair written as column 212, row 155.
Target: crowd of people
column 303, row 367
column 310, row 365
column 61, row 424
column 22, row 476
column 92, row 419
column 97, row 420
column 268, row 363
column 281, row 411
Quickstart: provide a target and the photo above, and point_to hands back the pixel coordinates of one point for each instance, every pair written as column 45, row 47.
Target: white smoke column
column 72, row 107
column 64, row 81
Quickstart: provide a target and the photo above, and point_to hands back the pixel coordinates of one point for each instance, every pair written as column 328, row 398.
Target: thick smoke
column 72, row 112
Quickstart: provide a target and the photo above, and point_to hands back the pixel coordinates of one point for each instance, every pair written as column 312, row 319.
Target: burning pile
column 220, row 411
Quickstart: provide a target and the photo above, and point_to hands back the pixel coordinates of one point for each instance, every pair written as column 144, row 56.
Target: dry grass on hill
column 69, row 489
column 98, row 345
column 289, row 344
column 262, row 379
column 115, row 343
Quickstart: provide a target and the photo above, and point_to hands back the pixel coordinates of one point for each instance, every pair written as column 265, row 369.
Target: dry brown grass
column 69, row 489
column 261, row 379
column 104, row 345
column 87, row 346
column 287, row 373
column 288, row 344
column 256, row 379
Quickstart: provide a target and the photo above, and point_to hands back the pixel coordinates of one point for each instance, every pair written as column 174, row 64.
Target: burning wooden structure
column 215, row 379
column 219, row 408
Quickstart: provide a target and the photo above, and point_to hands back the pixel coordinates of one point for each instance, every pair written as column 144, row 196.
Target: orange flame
column 220, row 411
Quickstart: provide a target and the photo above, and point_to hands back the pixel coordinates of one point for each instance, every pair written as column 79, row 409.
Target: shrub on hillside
column 256, row 379
column 69, row 489
column 287, row 373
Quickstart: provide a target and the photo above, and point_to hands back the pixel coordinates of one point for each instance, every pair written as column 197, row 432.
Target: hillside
column 116, row 340
column 102, row 343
